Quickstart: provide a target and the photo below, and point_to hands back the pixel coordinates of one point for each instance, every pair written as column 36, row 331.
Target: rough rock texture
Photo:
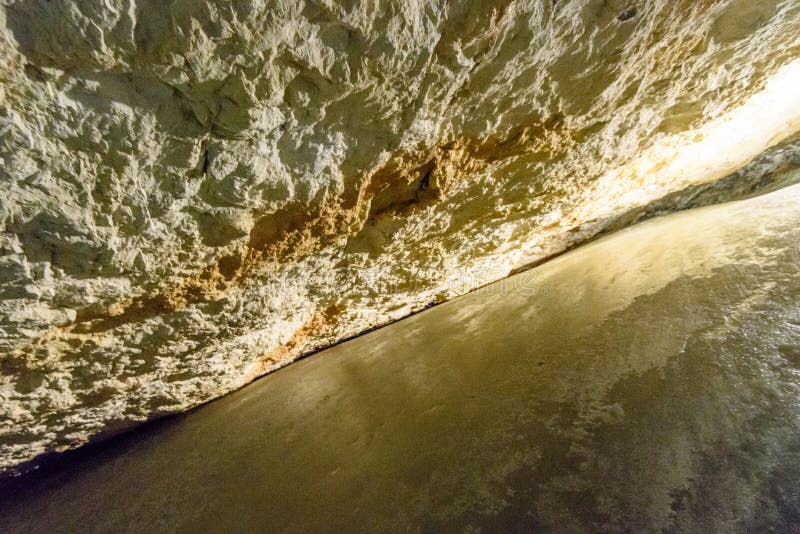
column 196, row 192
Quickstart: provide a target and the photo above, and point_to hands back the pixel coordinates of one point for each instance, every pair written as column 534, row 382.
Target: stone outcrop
column 197, row 192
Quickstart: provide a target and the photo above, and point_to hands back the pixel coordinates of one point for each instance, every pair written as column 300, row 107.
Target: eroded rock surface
column 197, row 192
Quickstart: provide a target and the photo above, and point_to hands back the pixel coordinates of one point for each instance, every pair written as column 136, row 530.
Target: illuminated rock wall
column 197, row 192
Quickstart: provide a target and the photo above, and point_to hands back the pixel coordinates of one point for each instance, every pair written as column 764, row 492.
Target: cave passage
column 649, row 380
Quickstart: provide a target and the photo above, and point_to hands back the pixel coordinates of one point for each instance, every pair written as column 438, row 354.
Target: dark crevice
column 204, row 169
column 628, row 14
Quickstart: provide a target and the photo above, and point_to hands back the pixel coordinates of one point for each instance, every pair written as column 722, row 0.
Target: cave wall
column 196, row 192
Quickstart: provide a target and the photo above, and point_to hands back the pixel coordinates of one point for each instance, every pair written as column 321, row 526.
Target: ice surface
column 647, row 381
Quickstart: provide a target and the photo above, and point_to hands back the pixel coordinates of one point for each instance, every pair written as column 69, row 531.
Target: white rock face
column 196, row 192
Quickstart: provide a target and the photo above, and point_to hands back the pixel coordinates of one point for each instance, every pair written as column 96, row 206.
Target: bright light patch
column 712, row 151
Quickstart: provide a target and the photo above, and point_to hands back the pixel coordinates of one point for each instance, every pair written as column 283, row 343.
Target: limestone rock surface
column 196, row 192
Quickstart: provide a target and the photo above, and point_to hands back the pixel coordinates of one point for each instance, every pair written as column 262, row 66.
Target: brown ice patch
column 422, row 177
column 407, row 181
column 293, row 348
column 208, row 285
